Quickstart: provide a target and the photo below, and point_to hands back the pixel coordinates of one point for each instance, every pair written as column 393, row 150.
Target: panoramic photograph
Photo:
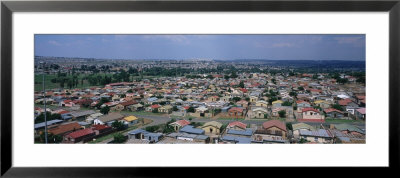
column 199, row 89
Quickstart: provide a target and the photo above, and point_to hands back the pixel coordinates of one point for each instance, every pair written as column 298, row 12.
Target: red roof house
column 345, row 102
column 237, row 124
column 332, row 110
column 274, row 123
column 79, row 135
column 65, row 128
column 309, row 109
column 155, row 106
column 182, row 122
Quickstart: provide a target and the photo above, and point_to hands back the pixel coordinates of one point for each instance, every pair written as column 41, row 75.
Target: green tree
column 236, row 99
column 169, row 129
column 342, row 80
column 119, row 138
column 286, row 103
column 233, row 75
column 118, row 125
column 153, row 128
column 293, row 93
column 289, row 126
column 51, row 138
column 241, row 84
column 302, row 140
column 338, row 107
column 105, row 110
column 210, row 77
column 191, row 109
column 223, row 127
column 226, row 77
column 49, row 117
column 282, row 113
column 272, row 99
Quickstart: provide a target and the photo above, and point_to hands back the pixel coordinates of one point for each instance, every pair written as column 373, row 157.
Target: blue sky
column 274, row 47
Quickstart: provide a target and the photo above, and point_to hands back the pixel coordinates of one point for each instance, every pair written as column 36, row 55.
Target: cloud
column 120, row 37
column 55, row 43
column 281, row 45
column 348, row 40
column 180, row 39
column 315, row 39
column 354, row 41
column 105, row 40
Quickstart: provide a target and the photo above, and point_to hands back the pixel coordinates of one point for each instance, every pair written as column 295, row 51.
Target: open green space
column 81, row 85
column 50, row 85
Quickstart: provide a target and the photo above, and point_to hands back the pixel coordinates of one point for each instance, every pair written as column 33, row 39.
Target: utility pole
column 44, row 101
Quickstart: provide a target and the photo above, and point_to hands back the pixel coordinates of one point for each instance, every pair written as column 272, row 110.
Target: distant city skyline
column 223, row 47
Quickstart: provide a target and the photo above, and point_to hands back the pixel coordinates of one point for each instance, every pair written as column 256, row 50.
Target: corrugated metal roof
column 316, row 133
column 137, row 131
column 111, row 117
column 152, row 134
column 42, row 124
column 247, row 132
column 189, row 129
column 187, row 135
column 201, row 137
column 82, row 113
column 348, row 127
column 240, row 140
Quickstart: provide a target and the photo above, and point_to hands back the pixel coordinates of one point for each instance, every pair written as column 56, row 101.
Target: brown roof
column 237, row 123
column 111, row 117
column 309, row 109
column 345, row 102
column 128, row 103
column 61, row 129
column 235, row 109
column 332, row 110
column 80, row 133
column 100, row 127
column 274, row 123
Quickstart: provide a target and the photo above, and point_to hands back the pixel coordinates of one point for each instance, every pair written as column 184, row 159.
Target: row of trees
column 67, row 81
column 49, row 117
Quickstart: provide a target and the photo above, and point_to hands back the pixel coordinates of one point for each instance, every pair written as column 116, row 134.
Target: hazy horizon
column 207, row 47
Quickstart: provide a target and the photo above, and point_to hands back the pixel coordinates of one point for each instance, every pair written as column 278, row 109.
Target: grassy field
column 51, row 85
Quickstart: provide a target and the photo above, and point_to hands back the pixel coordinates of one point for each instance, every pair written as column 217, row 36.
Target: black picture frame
column 8, row 7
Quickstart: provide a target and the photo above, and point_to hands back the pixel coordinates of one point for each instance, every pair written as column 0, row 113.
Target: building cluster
column 236, row 132
column 279, row 99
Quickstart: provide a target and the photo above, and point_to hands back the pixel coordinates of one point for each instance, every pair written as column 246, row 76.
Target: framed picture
column 162, row 75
